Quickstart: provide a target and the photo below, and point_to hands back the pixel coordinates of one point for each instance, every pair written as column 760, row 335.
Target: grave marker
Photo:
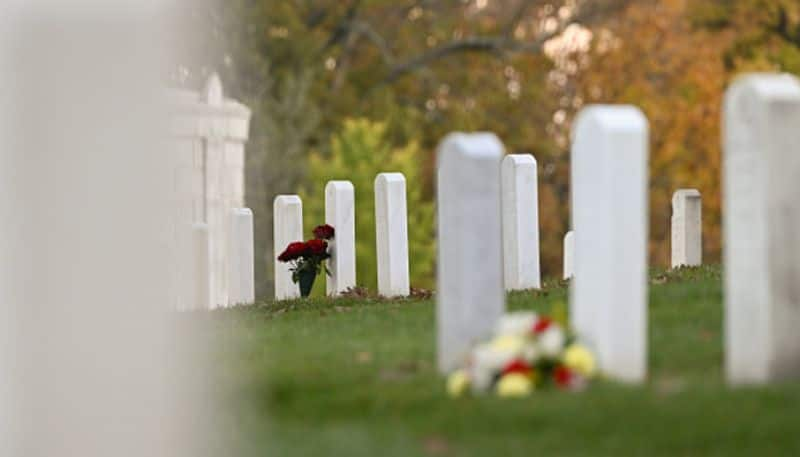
column 609, row 213
column 287, row 227
column 761, row 143
column 520, row 222
column 687, row 234
column 391, row 234
column 569, row 255
column 201, row 263
column 470, row 295
column 340, row 213
column 241, row 257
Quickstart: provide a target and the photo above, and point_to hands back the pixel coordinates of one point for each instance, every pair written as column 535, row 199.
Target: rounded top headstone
column 390, row 177
column 621, row 118
column 287, row 199
column 746, row 91
column 338, row 185
column 481, row 145
column 519, row 159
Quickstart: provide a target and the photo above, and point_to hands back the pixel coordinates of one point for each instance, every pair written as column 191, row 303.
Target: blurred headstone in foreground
column 762, row 229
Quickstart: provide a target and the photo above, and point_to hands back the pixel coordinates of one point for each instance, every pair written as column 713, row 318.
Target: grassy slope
column 356, row 378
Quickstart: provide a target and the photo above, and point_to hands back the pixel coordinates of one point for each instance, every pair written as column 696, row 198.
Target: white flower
column 551, row 341
column 509, row 345
column 516, row 324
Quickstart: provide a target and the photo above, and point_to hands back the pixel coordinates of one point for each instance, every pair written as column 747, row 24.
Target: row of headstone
column 607, row 252
column 391, row 230
column 240, row 265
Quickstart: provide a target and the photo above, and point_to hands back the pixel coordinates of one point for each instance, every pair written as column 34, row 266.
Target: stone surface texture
column 470, row 289
column 687, row 228
column 391, row 235
column 761, row 166
column 340, row 213
column 520, row 222
column 200, row 297
column 287, row 220
column 608, row 306
column 241, row 257
column 569, row 255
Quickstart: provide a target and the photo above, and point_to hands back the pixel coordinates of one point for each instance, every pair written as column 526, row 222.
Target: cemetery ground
column 357, row 376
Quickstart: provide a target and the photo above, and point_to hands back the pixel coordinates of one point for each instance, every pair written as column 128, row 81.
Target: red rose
column 518, row 366
column 324, row 232
column 542, row 324
column 293, row 252
column 563, row 377
column 317, row 247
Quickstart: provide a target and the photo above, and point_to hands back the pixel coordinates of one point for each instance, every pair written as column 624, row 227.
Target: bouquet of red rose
column 308, row 258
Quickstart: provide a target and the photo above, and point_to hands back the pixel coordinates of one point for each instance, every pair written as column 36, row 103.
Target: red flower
column 317, row 247
column 542, row 324
column 563, row 377
column 518, row 366
column 324, row 232
column 293, row 252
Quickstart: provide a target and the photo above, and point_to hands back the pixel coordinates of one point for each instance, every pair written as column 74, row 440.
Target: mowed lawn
column 356, row 377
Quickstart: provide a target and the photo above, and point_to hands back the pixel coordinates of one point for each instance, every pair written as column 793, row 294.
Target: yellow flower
column 457, row 383
column 580, row 360
column 514, row 385
column 508, row 343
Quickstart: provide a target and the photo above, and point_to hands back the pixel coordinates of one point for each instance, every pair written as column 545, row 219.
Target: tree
column 358, row 153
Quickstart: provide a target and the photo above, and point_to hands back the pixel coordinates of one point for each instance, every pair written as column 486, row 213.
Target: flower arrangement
column 527, row 352
column 308, row 258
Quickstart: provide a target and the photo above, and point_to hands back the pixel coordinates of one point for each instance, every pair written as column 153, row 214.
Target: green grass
column 357, row 378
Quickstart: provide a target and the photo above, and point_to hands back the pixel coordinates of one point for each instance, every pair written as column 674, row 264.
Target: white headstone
column 762, row 229
column 687, row 229
column 470, row 292
column 520, row 222
column 241, row 257
column 201, row 263
column 609, row 214
column 569, row 255
column 340, row 213
column 391, row 234
column 287, row 212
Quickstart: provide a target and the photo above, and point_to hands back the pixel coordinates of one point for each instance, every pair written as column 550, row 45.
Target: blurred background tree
column 520, row 68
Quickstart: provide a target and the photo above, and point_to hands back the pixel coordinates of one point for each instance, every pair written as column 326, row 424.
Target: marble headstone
column 391, row 234
column 241, row 255
column 470, row 289
column 609, row 213
column 687, row 228
column 201, row 263
column 569, row 255
column 761, row 166
column 520, row 222
column 340, row 213
column 287, row 212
